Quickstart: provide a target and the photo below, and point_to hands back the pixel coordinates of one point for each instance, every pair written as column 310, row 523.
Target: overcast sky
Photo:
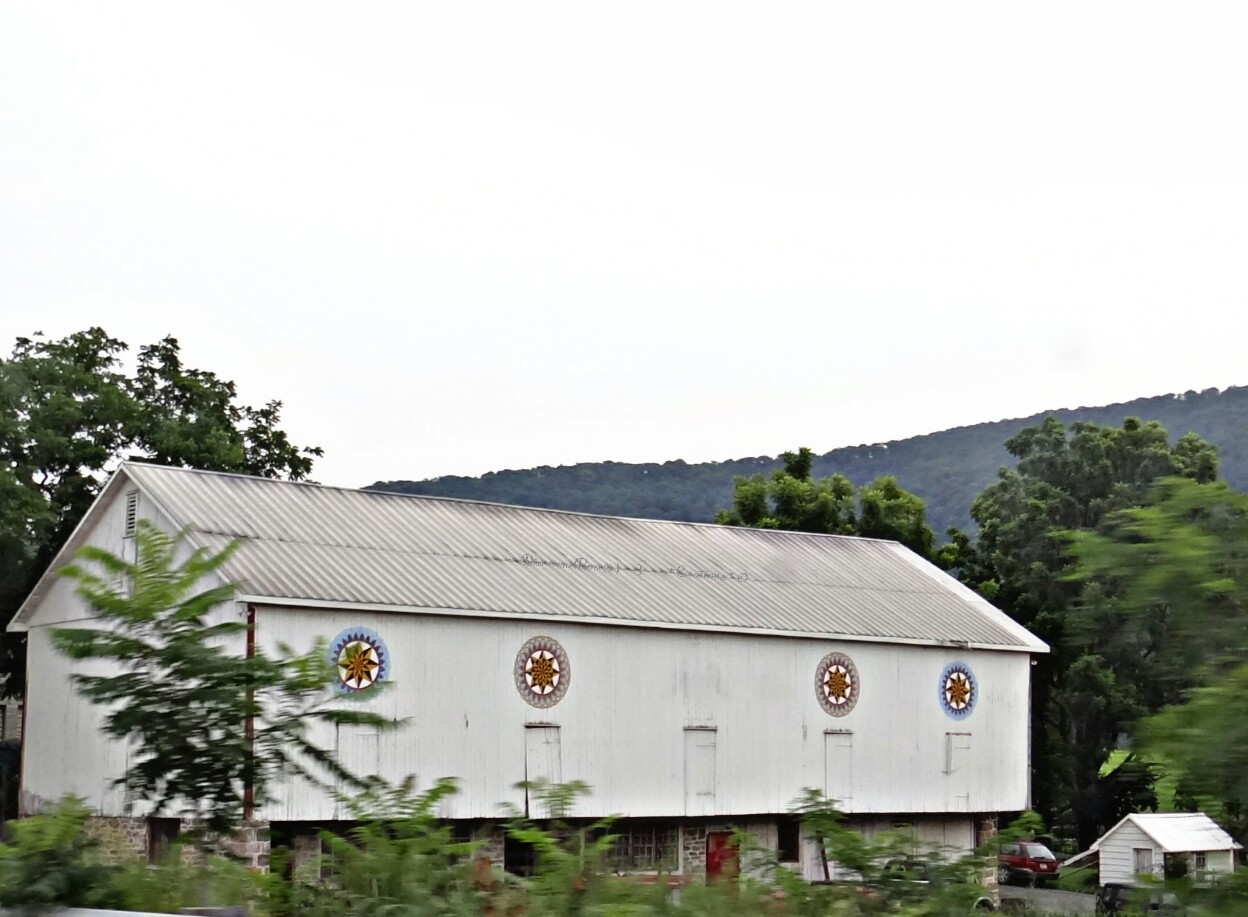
column 462, row 237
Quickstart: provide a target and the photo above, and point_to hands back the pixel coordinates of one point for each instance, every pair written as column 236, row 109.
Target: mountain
column 947, row 469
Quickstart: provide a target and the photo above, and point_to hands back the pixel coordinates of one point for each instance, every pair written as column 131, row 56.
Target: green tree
column 1179, row 569
column 69, row 412
column 792, row 500
column 1091, row 686
column 213, row 727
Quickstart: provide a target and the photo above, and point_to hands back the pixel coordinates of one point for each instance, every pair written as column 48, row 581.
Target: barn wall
column 63, row 750
column 635, row 693
column 1117, row 856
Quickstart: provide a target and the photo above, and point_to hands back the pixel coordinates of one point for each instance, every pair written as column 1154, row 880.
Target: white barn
column 697, row 677
column 1140, row 844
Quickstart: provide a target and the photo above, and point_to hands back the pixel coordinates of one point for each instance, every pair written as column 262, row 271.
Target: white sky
column 462, row 237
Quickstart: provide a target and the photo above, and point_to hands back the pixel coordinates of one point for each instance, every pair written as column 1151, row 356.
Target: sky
column 462, row 237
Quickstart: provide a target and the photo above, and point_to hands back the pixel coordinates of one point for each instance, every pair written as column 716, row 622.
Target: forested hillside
column 947, row 469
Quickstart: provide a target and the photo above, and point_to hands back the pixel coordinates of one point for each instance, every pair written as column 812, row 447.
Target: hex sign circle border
column 374, row 671
column 840, row 667
column 956, row 678
column 542, row 672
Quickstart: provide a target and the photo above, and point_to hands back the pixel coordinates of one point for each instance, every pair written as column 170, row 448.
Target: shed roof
column 1178, row 832
column 312, row 545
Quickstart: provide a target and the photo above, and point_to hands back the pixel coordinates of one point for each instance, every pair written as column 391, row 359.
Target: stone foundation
column 985, row 831
column 123, row 838
column 119, row 838
column 491, row 838
column 693, row 851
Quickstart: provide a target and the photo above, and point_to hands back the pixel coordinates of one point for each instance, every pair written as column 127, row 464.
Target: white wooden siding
column 1118, row 854
column 63, row 749
column 635, row 693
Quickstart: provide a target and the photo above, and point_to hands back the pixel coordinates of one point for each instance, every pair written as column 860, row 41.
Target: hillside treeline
column 947, row 469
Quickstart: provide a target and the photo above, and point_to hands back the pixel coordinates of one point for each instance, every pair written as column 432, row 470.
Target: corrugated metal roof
column 1181, row 832
column 314, row 544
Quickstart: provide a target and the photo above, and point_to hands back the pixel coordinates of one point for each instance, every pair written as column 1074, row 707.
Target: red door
column 721, row 856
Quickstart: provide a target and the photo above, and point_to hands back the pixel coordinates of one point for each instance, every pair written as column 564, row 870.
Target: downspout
column 249, row 729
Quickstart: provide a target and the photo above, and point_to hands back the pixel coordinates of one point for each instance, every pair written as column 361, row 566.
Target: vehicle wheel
column 1003, row 875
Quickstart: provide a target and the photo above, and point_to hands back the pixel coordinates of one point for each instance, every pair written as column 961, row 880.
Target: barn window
column 957, row 751
column 132, row 512
column 700, row 770
column 645, row 846
column 838, row 767
column 1199, row 860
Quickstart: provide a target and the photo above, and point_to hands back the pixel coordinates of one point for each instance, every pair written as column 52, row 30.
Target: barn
column 697, row 677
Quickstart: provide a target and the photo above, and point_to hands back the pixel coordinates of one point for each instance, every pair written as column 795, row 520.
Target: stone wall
column 122, row 838
column 491, row 837
column 250, row 845
column 693, row 851
column 985, row 831
column 119, row 838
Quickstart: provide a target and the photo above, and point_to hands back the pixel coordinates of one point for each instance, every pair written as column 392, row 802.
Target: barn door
column 542, row 760
column 838, row 768
column 700, row 771
column 721, row 856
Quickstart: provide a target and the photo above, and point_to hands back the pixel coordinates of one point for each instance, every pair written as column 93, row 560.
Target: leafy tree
column 792, row 500
column 1179, row 569
column 1092, row 685
column 213, row 728
column 48, row 861
column 69, row 413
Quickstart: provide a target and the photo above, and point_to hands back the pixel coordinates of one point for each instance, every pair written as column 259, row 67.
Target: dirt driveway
column 1048, row 901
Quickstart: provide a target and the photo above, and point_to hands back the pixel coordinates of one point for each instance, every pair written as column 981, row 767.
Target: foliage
column 180, row 881
column 1180, row 568
column 792, row 500
column 892, row 869
column 69, row 413
column 399, row 858
column 211, row 723
column 48, row 861
column 946, row 469
column 1099, row 677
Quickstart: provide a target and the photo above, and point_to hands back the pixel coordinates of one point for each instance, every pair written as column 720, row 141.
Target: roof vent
column 132, row 512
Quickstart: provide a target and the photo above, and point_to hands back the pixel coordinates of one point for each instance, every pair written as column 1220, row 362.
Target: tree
column 794, row 501
column 213, row 728
column 68, row 414
column 1091, row 686
column 1179, row 569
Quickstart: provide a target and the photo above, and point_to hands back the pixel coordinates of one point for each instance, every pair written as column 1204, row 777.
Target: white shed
column 697, row 677
column 1140, row 844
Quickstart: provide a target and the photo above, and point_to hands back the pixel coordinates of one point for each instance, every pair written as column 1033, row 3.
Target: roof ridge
column 520, row 507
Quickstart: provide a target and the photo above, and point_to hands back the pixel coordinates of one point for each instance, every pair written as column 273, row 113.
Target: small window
column 1199, row 860
column 789, row 839
column 161, row 835
column 132, row 512
column 645, row 846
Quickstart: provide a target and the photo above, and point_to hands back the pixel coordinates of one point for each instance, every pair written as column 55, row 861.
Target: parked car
column 1029, row 862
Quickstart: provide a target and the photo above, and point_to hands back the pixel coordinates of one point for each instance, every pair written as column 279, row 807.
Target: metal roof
column 308, row 544
column 1178, row 832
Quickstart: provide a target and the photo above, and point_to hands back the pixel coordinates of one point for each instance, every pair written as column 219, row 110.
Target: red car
column 1027, row 861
